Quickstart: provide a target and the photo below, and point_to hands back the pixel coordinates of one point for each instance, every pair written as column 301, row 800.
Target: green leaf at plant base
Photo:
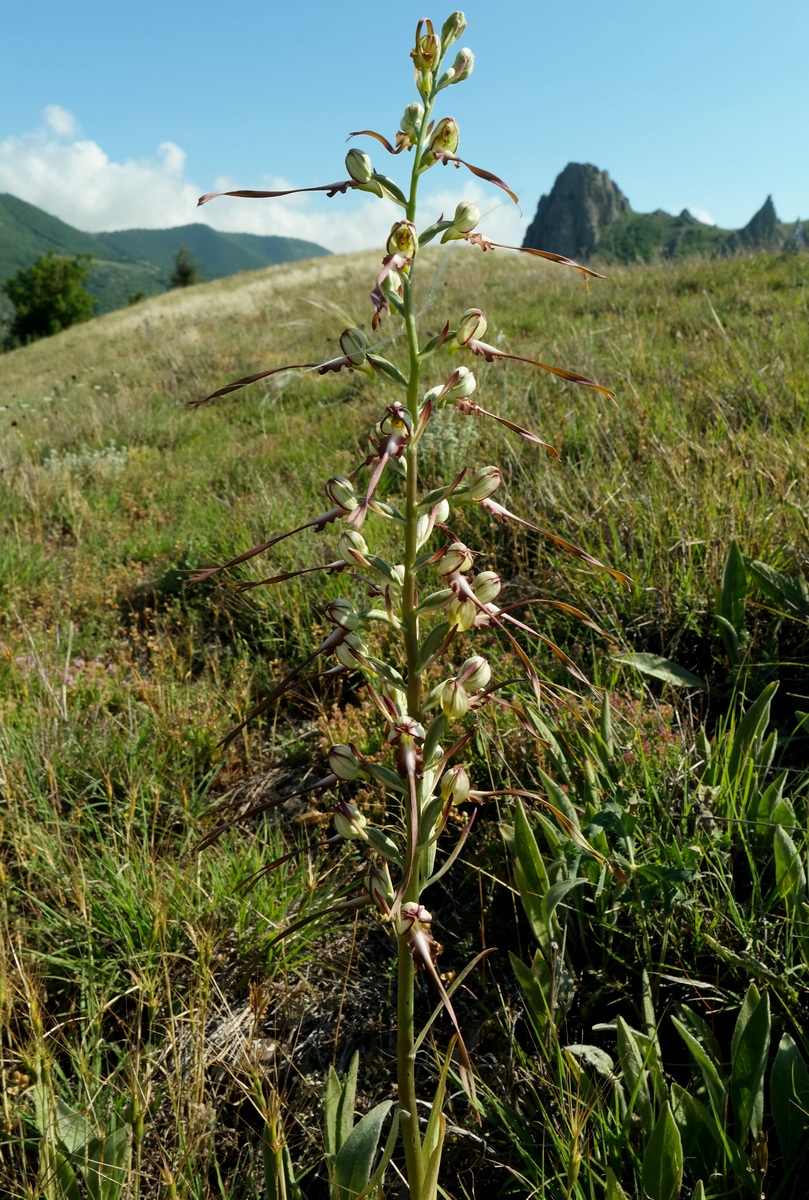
column 699, row 1133
column 338, row 1106
column 749, row 734
column 614, row 1189
column 663, row 1160
column 536, row 985
column 751, row 1042
column 662, row 668
column 790, row 595
column 711, row 1077
column 789, row 870
column 107, row 1164
column 789, row 1098
column 731, row 603
column 631, row 1053
column 531, row 875
column 351, row 1169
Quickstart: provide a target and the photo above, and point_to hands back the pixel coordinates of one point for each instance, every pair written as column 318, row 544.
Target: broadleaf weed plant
column 428, row 693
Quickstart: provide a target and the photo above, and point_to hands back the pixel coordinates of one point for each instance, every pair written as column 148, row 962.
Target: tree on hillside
column 48, row 296
column 186, row 269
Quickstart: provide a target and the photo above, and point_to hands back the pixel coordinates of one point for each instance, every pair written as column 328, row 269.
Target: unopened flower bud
column 353, row 548
column 403, row 239
column 474, row 674
column 352, row 652
column 486, row 586
column 463, row 65
column 457, row 558
column 379, row 886
column 358, row 165
column 432, row 395
column 411, row 120
column 344, row 763
column 445, row 137
column 472, row 324
column 349, row 821
column 454, row 700
column 342, row 612
column 354, row 346
column 455, row 785
column 483, row 483
column 341, row 491
column 465, row 385
column 461, row 613
column 467, row 215
column 452, row 29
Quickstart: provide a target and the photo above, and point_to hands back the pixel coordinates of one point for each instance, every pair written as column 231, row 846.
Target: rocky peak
column 763, row 232
column 582, row 202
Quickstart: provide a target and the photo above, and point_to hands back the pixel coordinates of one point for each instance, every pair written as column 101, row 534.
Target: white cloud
column 74, row 179
column 60, row 120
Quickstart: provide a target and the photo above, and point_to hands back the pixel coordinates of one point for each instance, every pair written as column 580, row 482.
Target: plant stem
column 406, row 1053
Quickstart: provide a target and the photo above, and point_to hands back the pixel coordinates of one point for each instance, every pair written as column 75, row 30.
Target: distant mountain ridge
column 130, row 261
column 586, row 214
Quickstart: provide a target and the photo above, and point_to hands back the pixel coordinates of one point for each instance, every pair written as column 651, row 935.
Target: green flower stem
column 406, row 1051
column 406, row 1055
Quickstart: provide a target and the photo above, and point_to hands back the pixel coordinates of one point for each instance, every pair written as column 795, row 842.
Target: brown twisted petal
column 331, row 189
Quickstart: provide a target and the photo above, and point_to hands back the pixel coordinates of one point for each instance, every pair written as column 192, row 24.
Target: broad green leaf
column 331, row 1108
column 348, row 1100
column 789, row 1097
column 70, row 1127
column 559, row 799
column 536, row 989
column 352, row 1167
column 338, row 1106
column 614, row 1189
column 713, row 1081
column 788, row 594
column 699, row 1133
column 789, row 872
column 554, row 896
column 632, row 1065
column 733, row 594
column 750, row 730
column 701, row 1031
column 699, row 1191
column 663, row 1160
column 662, row 668
column 106, row 1164
column 595, row 1056
column 751, row 1042
column 730, row 639
column 530, row 874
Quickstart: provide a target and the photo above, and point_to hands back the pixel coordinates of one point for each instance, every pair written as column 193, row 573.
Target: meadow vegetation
column 151, row 1023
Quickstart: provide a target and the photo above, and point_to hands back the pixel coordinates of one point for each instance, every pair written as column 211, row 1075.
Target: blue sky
column 114, row 117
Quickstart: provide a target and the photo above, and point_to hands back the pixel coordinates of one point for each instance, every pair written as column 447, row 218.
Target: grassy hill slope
column 134, row 261
column 145, row 987
column 219, row 254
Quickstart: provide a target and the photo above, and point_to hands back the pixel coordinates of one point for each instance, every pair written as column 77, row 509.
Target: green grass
column 125, row 954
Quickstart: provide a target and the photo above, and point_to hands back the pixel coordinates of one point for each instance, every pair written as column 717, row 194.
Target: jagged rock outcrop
column 582, row 202
column 763, row 232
